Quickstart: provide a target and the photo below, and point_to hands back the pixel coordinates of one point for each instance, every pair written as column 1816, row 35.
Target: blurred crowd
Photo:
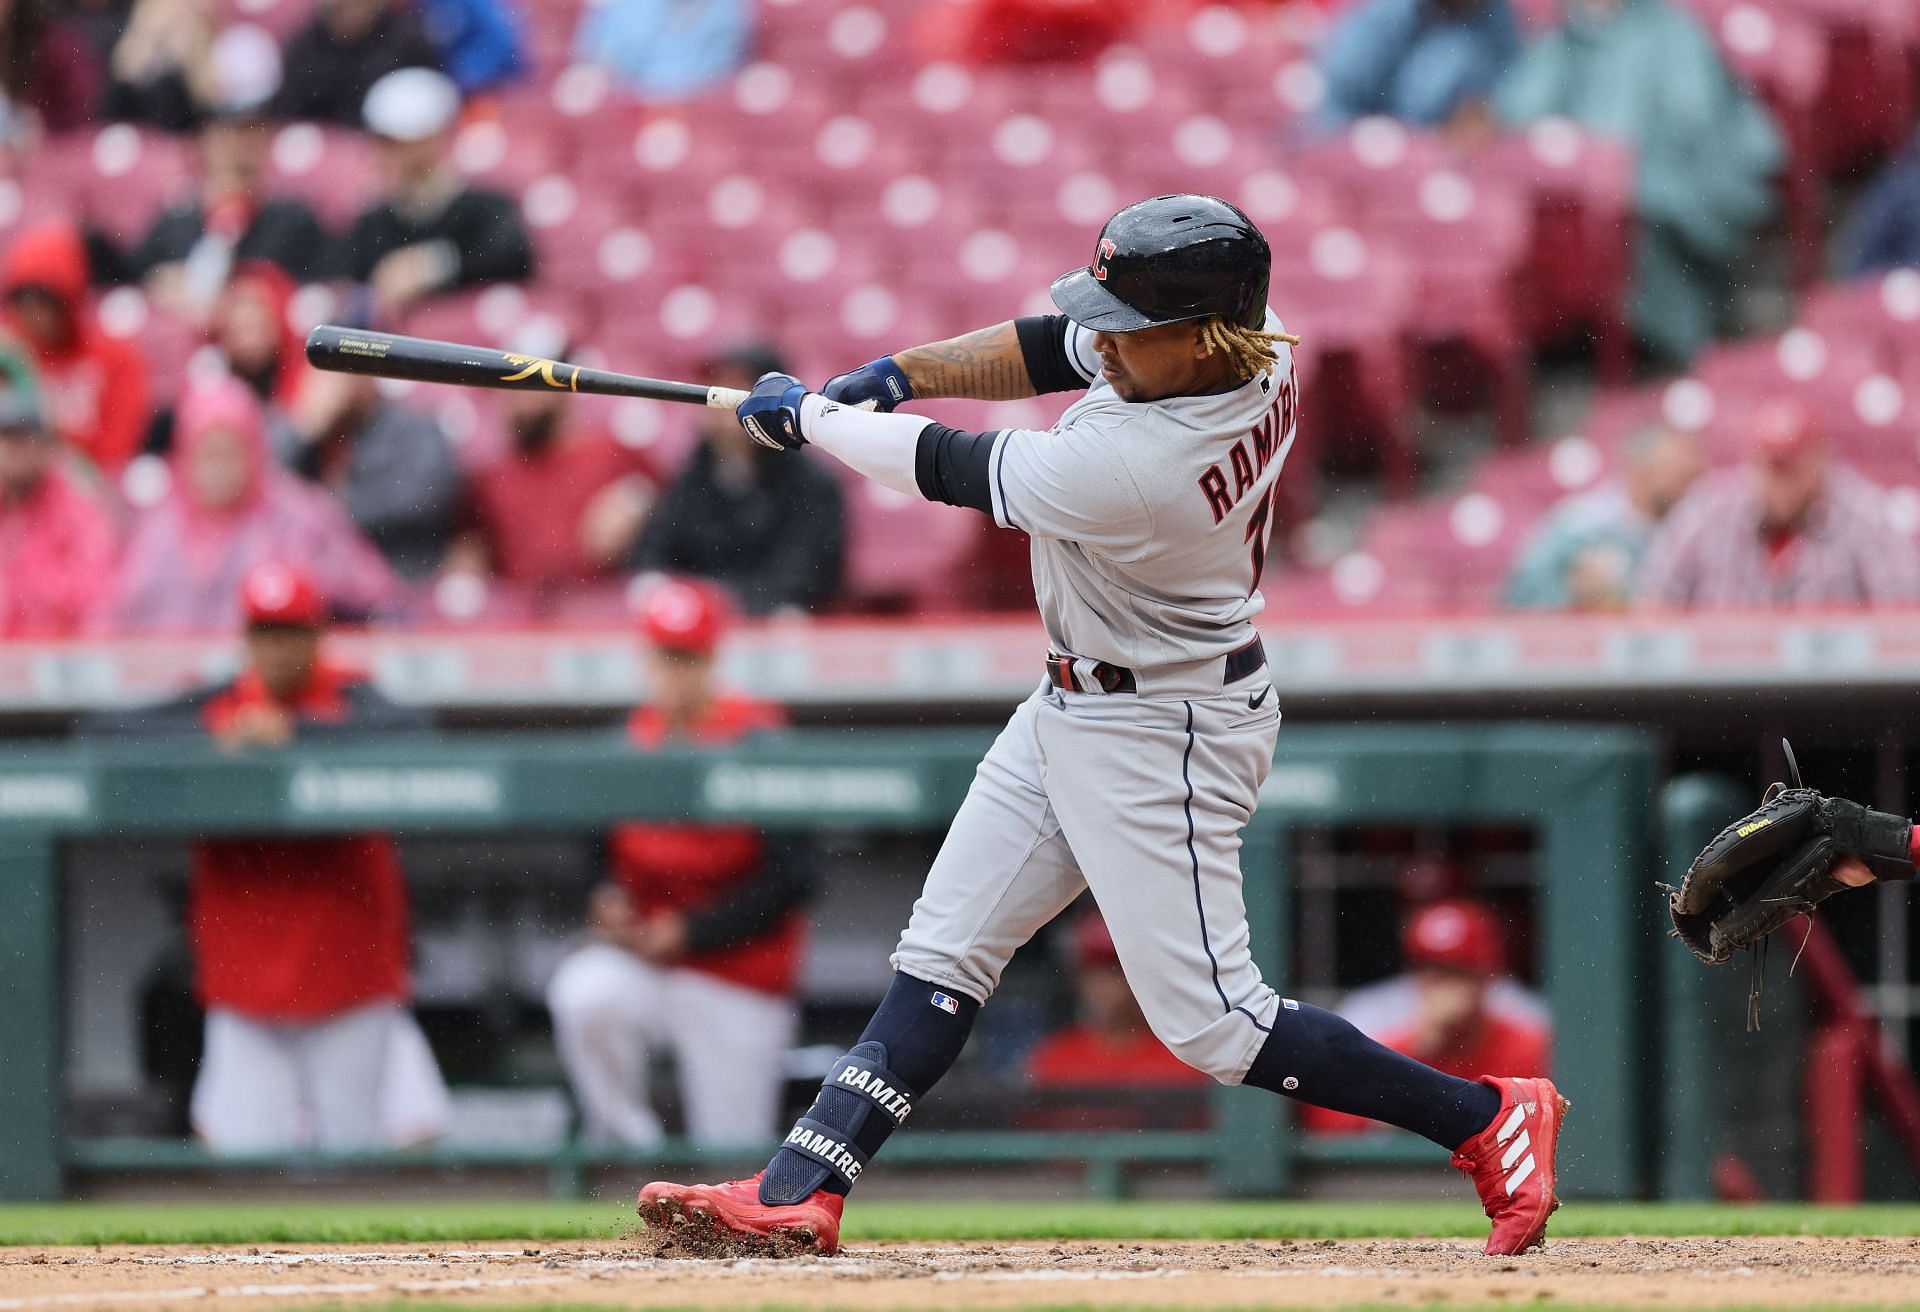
column 232, row 488
column 122, row 514
column 133, row 503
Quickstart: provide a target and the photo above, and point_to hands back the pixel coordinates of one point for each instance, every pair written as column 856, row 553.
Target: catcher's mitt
column 1776, row 863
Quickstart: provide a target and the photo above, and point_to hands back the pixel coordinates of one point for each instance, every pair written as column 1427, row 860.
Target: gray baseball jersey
column 1149, row 525
column 1150, row 520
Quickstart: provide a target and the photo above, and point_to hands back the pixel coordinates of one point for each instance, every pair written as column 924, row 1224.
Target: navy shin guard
column 1318, row 1057
column 913, row 1039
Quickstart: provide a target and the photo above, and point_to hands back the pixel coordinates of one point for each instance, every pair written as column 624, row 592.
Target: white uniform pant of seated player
column 364, row 1079
column 1143, row 802
column 611, row 1009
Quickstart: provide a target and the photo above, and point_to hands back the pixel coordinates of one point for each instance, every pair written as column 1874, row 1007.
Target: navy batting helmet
column 1168, row 259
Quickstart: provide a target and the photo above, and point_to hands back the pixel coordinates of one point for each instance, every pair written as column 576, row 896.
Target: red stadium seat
column 134, row 175
column 1580, row 246
column 1219, row 55
column 1371, row 163
column 330, row 169
column 1882, row 314
column 902, row 553
column 167, row 340
column 1351, row 309
column 505, row 151
column 1467, row 246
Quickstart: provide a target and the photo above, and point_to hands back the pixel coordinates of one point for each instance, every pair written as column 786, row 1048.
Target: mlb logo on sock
column 950, row 1005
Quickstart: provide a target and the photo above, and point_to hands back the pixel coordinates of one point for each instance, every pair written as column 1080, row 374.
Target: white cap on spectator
column 540, row 336
column 411, row 104
column 246, row 69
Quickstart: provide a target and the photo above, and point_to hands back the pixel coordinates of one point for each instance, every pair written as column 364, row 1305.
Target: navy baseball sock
column 1317, row 1057
column 913, row 1039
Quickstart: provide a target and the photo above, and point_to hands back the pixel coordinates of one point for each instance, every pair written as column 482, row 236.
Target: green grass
column 438, row 1222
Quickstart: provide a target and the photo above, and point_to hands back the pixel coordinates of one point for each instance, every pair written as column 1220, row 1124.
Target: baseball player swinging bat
column 389, row 355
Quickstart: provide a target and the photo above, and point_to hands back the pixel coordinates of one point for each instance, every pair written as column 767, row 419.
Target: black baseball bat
column 389, row 355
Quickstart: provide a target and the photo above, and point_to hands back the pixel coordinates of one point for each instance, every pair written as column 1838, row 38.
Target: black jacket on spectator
column 401, row 485
column 283, row 232
column 325, row 79
column 163, row 102
column 484, row 228
column 775, row 542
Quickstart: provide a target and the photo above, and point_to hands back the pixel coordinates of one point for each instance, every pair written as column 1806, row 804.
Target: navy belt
column 1241, row 662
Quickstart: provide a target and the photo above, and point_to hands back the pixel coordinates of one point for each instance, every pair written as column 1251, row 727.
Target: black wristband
column 950, row 466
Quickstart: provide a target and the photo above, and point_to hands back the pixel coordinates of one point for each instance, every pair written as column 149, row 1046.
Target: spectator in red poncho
column 699, row 933
column 300, row 943
column 1454, row 950
column 94, row 386
column 56, row 542
column 252, row 330
column 1028, row 31
column 565, row 505
column 231, row 508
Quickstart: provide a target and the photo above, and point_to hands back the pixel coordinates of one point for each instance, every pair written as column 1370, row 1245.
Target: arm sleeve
column 883, row 447
column 785, row 882
column 1056, row 351
column 950, row 465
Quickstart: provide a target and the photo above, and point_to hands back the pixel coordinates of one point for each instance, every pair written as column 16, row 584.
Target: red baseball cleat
column 735, row 1208
column 1511, row 1162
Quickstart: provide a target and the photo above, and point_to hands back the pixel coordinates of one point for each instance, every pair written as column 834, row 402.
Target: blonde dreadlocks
column 1248, row 350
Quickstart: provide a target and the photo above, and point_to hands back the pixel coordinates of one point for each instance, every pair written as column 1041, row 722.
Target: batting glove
column 771, row 412
column 883, row 384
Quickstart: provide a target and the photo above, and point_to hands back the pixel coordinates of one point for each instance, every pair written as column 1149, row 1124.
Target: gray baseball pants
column 1141, row 801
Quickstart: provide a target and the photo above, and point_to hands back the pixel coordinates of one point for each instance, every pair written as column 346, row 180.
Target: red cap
column 1785, row 430
column 1093, row 942
column 683, row 614
column 282, row 594
column 1454, row 933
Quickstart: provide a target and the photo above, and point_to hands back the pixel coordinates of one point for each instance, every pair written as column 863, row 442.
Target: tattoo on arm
column 983, row 366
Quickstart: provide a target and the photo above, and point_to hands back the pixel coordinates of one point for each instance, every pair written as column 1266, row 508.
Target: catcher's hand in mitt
column 1784, row 859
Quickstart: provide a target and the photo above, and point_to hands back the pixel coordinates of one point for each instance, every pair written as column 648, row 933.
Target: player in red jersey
column 700, row 929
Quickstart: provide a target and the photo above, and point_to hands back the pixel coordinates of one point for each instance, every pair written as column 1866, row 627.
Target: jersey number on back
column 1269, row 437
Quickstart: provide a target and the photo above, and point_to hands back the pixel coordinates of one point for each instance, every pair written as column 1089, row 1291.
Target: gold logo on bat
column 544, row 369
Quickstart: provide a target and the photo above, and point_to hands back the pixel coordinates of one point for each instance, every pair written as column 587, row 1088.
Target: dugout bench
column 1586, row 793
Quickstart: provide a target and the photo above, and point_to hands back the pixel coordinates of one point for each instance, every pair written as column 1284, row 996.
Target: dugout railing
column 1585, row 792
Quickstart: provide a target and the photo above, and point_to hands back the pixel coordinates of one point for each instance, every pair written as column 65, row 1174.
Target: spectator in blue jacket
column 1647, row 73
column 665, row 49
column 1884, row 232
column 1586, row 553
column 482, row 42
column 1425, row 61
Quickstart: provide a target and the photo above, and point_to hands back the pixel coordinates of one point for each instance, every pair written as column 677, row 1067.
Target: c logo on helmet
column 1100, row 259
